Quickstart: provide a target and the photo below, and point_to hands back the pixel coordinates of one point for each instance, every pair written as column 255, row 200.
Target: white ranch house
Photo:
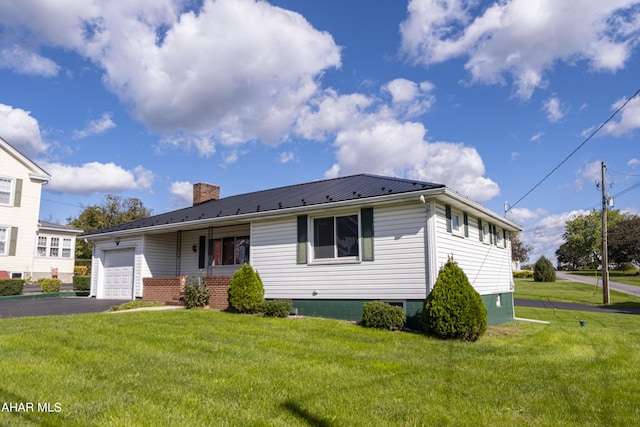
column 329, row 246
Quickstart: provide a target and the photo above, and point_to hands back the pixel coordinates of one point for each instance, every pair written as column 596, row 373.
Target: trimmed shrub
column 80, row 270
column 453, row 309
column 81, row 283
column 196, row 293
column 380, row 315
column 543, row 271
column 275, row 308
column 50, row 285
column 522, row 274
column 245, row 290
column 11, row 287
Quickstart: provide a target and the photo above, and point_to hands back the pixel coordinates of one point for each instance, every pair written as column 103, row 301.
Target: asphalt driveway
column 53, row 306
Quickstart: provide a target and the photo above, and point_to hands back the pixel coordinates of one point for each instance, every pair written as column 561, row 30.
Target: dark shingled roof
column 294, row 196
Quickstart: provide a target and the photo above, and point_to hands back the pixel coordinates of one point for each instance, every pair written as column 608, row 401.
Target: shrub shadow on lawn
column 303, row 414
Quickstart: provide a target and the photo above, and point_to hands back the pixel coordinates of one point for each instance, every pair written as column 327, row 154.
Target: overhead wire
column 593, row 133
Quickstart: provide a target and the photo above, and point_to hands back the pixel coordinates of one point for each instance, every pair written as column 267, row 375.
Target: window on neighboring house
column 6, row 188
column 4, row 240
column 336, row 237
column 42, row 246
column 55, row 247
column 230, row 250
column 66, row 248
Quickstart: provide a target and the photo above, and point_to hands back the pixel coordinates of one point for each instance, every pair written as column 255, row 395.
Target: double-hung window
column 336, row 237
column 4, row 240
column 6, row 191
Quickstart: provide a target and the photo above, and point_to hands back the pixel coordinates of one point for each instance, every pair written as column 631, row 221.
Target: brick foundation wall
column 219, row 288
column 163, row 289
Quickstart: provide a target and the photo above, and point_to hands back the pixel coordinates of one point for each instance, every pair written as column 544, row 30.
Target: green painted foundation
column 352, row 309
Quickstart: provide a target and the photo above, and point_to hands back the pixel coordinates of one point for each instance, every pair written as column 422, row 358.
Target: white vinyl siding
column 488, row 267
column 398, row 271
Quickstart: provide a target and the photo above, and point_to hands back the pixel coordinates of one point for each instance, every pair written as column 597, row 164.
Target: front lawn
column 201, row 367
column 563, row 291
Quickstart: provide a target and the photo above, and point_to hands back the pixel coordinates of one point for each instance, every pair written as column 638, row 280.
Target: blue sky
column 143, row 99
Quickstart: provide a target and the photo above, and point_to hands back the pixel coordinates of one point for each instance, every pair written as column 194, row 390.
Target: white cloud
column 409, row 98
column 523, row 215
column 537, row 137
column 22, row 61
column 633, row 162
column 182, row 192
column 21, row 130
column 627, row 120
column 545, row 236
column 230, row 71
column 555, row 109
column 399, row 149
column 95, row 127
column 589, row 173
column 95, row 177
column 521, row 38
column 286, row 157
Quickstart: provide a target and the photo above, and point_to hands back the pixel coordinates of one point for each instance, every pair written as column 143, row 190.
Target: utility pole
column 605, row 255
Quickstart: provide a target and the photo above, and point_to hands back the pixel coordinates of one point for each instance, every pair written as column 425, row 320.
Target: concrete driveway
column 54, row 306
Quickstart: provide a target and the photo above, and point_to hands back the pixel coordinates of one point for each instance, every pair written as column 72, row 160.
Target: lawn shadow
column 303, row 414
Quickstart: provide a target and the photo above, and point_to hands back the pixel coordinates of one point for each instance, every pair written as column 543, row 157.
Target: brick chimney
column 203, row 192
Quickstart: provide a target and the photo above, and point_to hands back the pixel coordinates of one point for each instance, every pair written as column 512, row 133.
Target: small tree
column 453, row 309
column 245, row 290
column 543, row 271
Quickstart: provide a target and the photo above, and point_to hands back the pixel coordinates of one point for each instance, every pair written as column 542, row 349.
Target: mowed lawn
column 201, row 367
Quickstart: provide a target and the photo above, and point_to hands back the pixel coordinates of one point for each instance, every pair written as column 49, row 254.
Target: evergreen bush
column 380, row 315
column 50, row 285
column 543, row 271
column 246, row 291
column 453, row 309
column 196, row 293
column 275, row 308
column 11, row 287
column 81, row 283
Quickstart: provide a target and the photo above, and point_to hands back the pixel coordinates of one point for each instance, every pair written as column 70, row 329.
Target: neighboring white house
column 21, row 233
column 328, row 246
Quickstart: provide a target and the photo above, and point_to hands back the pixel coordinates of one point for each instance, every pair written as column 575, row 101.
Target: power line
column 575, row 150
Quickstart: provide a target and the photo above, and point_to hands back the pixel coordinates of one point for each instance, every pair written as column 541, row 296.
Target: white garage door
column 118, row 274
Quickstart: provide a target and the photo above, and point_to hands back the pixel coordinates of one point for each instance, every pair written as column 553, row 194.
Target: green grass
column 570, row 292
column 197, row 367
column 136, row 304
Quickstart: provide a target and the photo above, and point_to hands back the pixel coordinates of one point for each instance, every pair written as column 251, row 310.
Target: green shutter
column 480, row 230
column 301, row 247
column 465, row 218
column 17, row 195
column 13, row 241
column 366, row 216
column 448, row 213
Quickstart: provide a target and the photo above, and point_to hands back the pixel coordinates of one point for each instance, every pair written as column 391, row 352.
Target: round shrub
column 453, row 309
column 275, row 308
column 81, row 283
column 543, row 271
column 245, row 290
column 50, row 285
column 377, row 314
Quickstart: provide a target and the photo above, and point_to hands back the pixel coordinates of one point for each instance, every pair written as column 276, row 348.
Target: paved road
column 573, row 306
column 615, row 286
column 53, row 306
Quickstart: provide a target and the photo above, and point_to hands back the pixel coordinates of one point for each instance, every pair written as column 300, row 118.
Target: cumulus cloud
column 633, row 162
column 523, row 215
column 95, row 177
column 411, row 99
column 95, row 127
column 182, row 193
column 627, row 120
column 522, row 39
column 23, row 61
column 286, row 157
column 400, row 149
column 21, row 130
column 554, row 108
column 229, row 71
column 589, row 173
